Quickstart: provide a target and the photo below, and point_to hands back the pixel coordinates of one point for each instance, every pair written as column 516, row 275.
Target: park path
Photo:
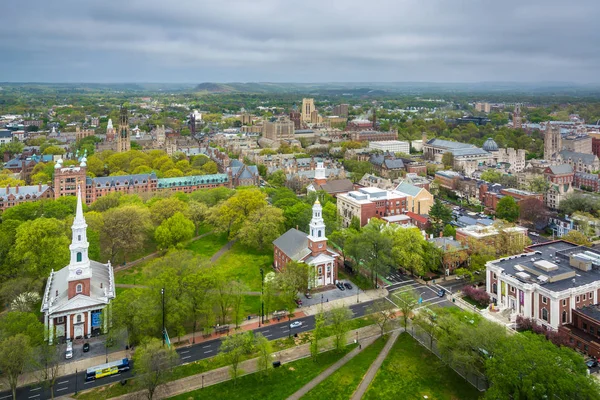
column 222, row 250
column 368, row 378
column 151, row 255
column 327, row 373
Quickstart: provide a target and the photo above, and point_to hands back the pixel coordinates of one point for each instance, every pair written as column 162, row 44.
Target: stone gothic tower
column 317, row 242
column 552, row 142
column 517, row 120
column 124, row 136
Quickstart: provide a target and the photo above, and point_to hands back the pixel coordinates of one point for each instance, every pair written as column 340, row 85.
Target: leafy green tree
column 292, row 280
column 539, row 185
column 439, row 215
column 197, row 213
column 375, row 247
column 524, row 367
column 265, row 351
column 426, row 320
column 407, row 251
column 198, row 298
column 262, row 227
column 491, row 175
column 382, row 312
column 341, row 239
column 232, row 350
column 163, row 209
column 27, row 323
column 54, row 150
column 507, row 209
column 317, row 335
column 407, row 302
column 48, row 366
column 277, row 178
column 577, row 238
column 338, row 319
column 132, row 311
column 448, row 159
column 154, row 365
column 449, row 231
column 238, row 290
column 331, row 218
column 125, row 230
column 15, row 356
column 41, row 245
column 230, row 214
column 174, row 231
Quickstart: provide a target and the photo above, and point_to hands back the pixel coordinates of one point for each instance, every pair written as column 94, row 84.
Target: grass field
column 411, row 372
column 281, row 382
column 344, row 381
column 244, row 264
column 208, row 245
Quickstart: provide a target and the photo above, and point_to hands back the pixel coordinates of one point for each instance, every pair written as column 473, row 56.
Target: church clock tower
column 123, row 137
column 317, row 242
column 80, row 271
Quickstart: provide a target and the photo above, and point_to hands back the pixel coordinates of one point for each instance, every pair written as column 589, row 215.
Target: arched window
column 79, row 288
column 78, row 318
column 79, row 238
column 319, row 234
column 544, row 314
column 79, row 256
column 564, row 317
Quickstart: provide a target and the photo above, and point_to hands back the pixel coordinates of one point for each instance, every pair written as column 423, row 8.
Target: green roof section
column 409, row 189
column 192, row 180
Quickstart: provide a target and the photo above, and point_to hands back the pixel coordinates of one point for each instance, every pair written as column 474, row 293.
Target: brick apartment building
column 369, row 202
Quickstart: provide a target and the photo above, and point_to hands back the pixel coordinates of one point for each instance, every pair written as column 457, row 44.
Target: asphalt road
column 68, row 384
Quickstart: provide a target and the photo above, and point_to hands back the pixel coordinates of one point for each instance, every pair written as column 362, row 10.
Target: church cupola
column 317, row 242
column 79, row 266
column 320, row 174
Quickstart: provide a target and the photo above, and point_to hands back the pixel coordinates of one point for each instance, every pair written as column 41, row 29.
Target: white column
column 89, row 323
column 527, row 303
column 68, row 331
column 105, row 319
column 50, row 330
column 554, row 317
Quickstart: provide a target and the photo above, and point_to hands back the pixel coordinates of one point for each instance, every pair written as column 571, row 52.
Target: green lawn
column 281, row 383
column 131, row 276
column 208, row 245
column 411, row 372
column 344, row 381
column 244, row 264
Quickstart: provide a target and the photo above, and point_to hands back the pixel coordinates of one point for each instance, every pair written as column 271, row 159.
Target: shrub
column 477, row 295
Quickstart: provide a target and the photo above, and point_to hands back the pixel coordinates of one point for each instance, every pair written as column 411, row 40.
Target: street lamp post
column 75, row 380
column 321, row 301
column 162, row 293
column 357, row 291
column 262, row 296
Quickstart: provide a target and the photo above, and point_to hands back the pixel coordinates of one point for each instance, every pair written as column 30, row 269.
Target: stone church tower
column 552, row 142
column 124, row 136
column 517, row 119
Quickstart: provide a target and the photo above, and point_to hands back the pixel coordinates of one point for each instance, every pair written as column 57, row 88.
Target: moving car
column 86, row 347
column 442, row 293
column 347, row 286
column 295, row 324
column 69, row 352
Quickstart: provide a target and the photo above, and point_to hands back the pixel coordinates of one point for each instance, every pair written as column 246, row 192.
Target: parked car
column 347, row 285
column 592, row 363
column 295, row 324
column 340, row 286
column 69, row 351
column 86, row 347
column 298, row 301
column 308, row 295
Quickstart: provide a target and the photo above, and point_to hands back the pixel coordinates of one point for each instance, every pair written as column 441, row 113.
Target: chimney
column 441, row 234
column 17, row 189
column 7, row 189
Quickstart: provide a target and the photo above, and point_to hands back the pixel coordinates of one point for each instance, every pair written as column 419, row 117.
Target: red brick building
column 584, row 330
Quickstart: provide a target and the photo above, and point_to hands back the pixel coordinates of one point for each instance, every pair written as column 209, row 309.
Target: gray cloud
column 277, row 40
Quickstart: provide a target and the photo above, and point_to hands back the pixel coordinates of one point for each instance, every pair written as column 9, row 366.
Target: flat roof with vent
column 545, row 265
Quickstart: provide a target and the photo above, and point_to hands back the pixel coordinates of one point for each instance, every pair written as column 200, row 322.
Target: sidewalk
column 219, row 375
column 325, row 374
column 370, row 375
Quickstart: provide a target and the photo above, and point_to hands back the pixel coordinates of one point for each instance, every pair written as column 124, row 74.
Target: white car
column 69, row 352
column 295, row 324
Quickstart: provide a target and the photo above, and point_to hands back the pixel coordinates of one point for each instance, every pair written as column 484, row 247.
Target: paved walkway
column 219, row 375
column 368, row 378
column 325, row 374
column 222, row 250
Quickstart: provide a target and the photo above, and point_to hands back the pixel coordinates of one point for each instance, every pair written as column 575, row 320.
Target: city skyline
column 273, row 41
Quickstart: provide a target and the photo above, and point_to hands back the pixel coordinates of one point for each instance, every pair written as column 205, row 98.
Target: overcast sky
column 299, row 41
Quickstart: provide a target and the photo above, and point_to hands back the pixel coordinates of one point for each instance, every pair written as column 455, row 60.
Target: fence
column 478, row 381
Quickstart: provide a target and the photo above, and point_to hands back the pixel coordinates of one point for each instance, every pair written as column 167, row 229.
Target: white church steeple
column 79, row 266
column 320, row 173
column 317, row 224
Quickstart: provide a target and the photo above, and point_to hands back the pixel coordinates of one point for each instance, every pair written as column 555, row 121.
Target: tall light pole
column 262, row 296
column 357, row 291
column 162, row 293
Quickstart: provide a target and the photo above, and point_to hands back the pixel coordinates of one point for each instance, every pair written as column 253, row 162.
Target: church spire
column 79, row 266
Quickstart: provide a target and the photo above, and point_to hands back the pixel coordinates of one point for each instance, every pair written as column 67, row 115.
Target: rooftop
column 556, row 266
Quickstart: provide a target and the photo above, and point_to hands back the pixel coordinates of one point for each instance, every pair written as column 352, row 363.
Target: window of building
column 60, row 320
column 544, row 314
column 564, row 317
column 583, row 297
column 591, row 329
column 585, row 347
column 320, row 270
column 564, row 302
column 79, row 257
column 584, row 326
column 79, row 288
column 544, row 300
column 512, row 289
column 494, row 275
column 79, row 318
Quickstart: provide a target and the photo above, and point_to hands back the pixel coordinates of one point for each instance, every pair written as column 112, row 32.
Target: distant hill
column 215, row 88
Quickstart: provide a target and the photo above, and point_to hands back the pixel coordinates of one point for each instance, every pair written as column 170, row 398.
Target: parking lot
column 329, row 295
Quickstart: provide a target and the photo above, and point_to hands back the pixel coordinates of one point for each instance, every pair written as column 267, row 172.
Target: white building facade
column 393, row 146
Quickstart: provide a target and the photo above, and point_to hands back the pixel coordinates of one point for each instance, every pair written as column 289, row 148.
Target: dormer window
column 79, row 288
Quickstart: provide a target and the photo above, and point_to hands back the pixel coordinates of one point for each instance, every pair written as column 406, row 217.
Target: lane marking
column 6, row 397
column 37, row 388
column 33, row 397
column 184, row 352
column 58, row 390
column 206, row 347
column 85, row 383
column 267, row 336
column 210, row 351
column 186, row 357
column 283, row 327
column 265, row 331
column 62, row 383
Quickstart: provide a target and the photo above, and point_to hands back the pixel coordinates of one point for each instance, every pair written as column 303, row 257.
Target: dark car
column 347, row 286
column 298, row 301
column 340, row 286
column 86, row 347
column 308, row 295
column 591, row 363
column 442, row 293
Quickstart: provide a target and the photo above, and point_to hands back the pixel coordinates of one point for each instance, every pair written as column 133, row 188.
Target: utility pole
column 262, row 295
column 162, row 293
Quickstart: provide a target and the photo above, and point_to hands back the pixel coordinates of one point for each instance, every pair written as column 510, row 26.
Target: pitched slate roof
column 5, row 134
column 191, row 180
column 408, row 189
column 336, row 186
column 293, row 243
column 561, row 169
column 380, row 159
column 24, row 191
column 585, row 158
column 123, row 180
